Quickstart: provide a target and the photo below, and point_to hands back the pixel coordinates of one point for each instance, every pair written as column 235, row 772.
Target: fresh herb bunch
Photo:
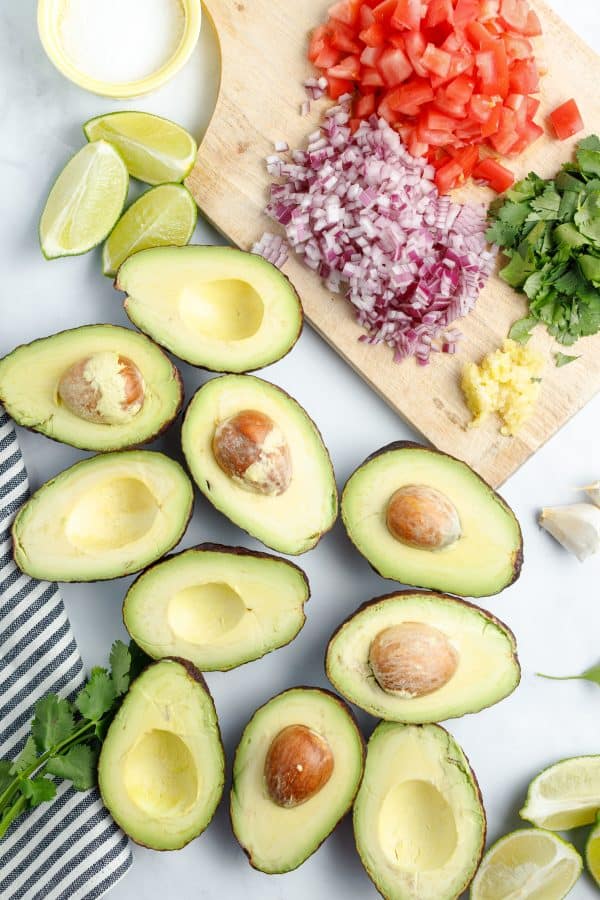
column 65, row 737
column 550, row 230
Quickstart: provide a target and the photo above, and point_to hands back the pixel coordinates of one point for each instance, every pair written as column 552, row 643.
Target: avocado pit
column 298, row 765
column 251, row 449
column 423, row 517
column 412, row 659
column 104, row 388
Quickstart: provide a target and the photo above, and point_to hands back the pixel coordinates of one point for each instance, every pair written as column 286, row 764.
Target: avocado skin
column 184, row 527
column 235, row 551
column 518, row 559
column 473, row 779
column 219, row 371
column 198, row 677
column 81, row 446
column 363, row 744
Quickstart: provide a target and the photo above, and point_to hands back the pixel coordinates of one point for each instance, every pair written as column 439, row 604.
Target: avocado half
column 162, row 766
column 219, row 607
column 291, row 522
column 29, row 378
column 214, row 307
column 278, row 838
column 483, row 557
column 440, row 658
column 419, row 822
column 105, row 517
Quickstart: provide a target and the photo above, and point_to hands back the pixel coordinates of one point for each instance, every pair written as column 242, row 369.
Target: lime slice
column 592, row 852
column 566, row 795
column 527, row 864
column 85, row 202
column 164, row 216
column 155, row 150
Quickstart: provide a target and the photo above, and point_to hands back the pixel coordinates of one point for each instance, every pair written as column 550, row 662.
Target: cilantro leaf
column 78, row 765
column 562, row 359
column 545, row 206
column 120, row 664
column 589, row 161
column 513, row 213
column 26, row 757
column 590, row 268
column 38, row 790
column 97, row 697
column 521, row 330
column 592, row 142
column 587, row 218
column 53, row 722
column 502, row 234
column 6, row 774
column 520, row 267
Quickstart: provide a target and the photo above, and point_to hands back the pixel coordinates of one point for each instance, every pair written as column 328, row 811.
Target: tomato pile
column 451, row 76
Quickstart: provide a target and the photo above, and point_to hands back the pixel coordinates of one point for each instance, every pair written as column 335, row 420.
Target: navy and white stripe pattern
column 69, row 849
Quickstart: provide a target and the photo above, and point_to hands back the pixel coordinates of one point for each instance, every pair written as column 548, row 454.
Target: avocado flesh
column 419, row 823
column 215, row 307
column 29, row 378
column 217, row 607
column 488, row 669
column 104, row 517
column 278, row 839
column 483, row 561
column 292, row 522
column 161, row 769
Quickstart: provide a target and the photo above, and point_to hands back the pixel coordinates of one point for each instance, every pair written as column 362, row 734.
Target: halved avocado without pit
column 419, row 822
column 214, row 307
column 98, row 387
column 420, row 657
column 162, row 767
column 296, row 772
column 258, row 457
column 105, row 517
column 424, row 518
column 219, row 607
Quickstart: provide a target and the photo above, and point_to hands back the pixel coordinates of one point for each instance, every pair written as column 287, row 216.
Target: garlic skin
column 576, row 527
column 593, row 492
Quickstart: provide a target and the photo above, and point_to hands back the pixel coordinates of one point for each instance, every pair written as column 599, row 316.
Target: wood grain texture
column 264, row 65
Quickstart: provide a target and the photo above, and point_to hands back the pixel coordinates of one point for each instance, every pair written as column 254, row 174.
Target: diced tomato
column 478, row 35
column 415, row 44
column 534, row 26
column 386, row 111
column 488, row 9
column 517, row 47
column 407, row 14
column 467, row 159
column 497, row 176
column 394, row 66
column 433, row 137
column 371, row 78
column 355, row 124
column 374, row 35
column 319, row 39
column 436, row 60
column 481, row 108
column 384, row 11
column 524, row 77
column 460, row 89
column 439, row 11
column 514, row 14
column 365, row 106
column 370, row 56
column 337, row 87
column 465, row 11
column 328, row 57
column 348, row 69
column 492, row 67
column 533, row 104
column 437, row 121
column 448, row 176
column 449, row 107
column 492, row 123
column 507, row 135
column 566, row 120
column 530, row 133
column 345, row 11
column 416, row 147
column 366, row 17
column 410, row 96
column 342, row 37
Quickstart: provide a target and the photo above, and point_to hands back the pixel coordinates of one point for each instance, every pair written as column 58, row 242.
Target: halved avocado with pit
column 162, row 767
column 422, row 657
column 219, row 607
column 295, row 774
column 424, row 518
column 257, row 456
column 121, row 389
column 419, row 822
column 214, row 307
column 105, row 517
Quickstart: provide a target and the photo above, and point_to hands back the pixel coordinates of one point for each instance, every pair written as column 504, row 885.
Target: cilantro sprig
column 592, row 675
column 65, row 737
column 550, row 233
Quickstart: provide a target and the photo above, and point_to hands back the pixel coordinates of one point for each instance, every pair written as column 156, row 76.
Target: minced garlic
column 507, row 382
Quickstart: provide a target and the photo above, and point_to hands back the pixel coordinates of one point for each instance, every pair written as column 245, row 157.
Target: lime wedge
column 155, row 150
column 164, row 216
column 592, row 852
column 566, row 795
column 85, row 202
column 527, row 864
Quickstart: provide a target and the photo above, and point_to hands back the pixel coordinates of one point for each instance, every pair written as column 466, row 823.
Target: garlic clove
column 576, row 527
column 593, row 492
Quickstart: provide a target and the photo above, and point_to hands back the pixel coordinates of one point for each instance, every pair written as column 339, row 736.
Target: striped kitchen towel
column 69, row 849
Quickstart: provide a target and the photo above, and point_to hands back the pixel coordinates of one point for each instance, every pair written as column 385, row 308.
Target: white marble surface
column 554, row 608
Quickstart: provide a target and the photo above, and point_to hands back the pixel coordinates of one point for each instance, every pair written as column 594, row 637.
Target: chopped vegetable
column 561, row 359
column 273, row 248
column 550, row 232
column 497, row 176
column 366, row 215
column 566, row 120
column 446, row 74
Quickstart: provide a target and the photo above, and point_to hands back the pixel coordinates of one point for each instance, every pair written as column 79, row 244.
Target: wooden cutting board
column 264, row 65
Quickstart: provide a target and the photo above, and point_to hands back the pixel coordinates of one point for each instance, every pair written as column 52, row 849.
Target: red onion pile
column 367, row 217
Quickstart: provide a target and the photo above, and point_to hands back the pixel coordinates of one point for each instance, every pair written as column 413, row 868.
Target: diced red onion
column 273, row 248
column 368, row 218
